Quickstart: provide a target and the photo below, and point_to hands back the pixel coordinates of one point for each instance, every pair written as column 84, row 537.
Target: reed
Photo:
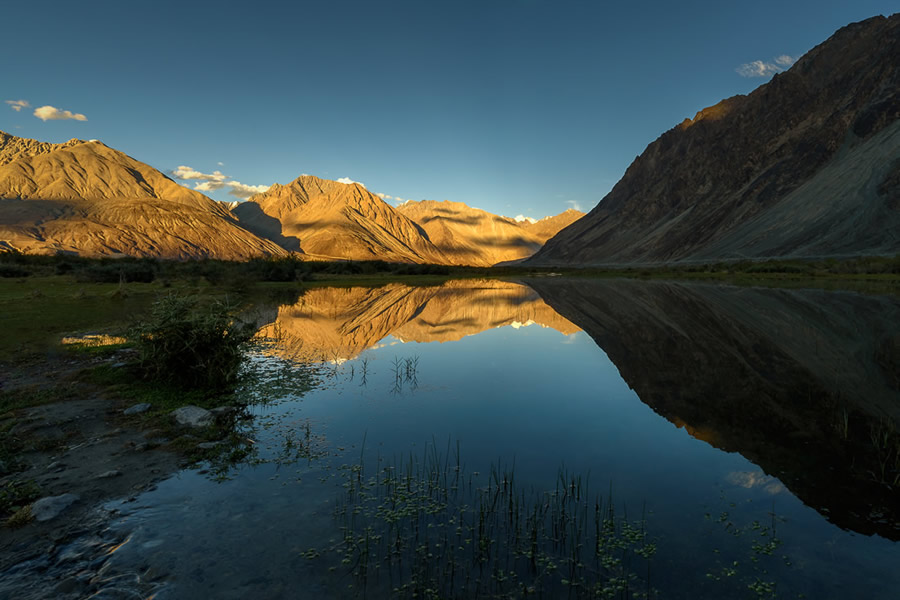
column 421, row 526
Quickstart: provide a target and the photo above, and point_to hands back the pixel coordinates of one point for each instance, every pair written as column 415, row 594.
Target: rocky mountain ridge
column 807, row 165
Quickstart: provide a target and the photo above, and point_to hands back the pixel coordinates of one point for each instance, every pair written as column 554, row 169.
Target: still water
column 745, row 440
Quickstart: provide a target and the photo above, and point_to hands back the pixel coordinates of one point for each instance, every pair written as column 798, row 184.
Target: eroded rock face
column 89, row 199
column 805, row 165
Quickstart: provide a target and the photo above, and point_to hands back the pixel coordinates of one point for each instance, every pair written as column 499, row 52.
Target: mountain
column 331, row 220
column 471, row 236
column 89, row 199
column 807, row 165
column 546, row 228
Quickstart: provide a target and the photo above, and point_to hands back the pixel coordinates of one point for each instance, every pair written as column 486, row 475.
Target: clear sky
column 517, row 107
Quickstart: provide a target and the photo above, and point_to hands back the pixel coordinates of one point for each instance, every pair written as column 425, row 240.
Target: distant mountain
column 471, row 236
column 331, row 220
column 807, row 165
column 89, row 199
column 546, row 228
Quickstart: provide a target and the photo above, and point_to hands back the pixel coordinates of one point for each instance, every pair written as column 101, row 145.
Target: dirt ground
column 82, row 445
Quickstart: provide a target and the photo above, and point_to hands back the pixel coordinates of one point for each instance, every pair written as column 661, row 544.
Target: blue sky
column 517, row 107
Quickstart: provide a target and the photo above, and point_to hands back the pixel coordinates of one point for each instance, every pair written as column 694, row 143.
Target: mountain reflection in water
column 337, row 323
column 804, row 383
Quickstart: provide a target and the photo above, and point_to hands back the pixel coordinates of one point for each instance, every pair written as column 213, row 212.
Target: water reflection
column 803, row 383
column 338, row 323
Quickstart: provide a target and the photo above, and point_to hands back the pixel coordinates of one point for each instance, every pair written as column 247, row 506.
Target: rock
column 137, row 409
column 221, row 411
column 109, row 474
column 49, row 507
column 208, row 445
column 193, row 416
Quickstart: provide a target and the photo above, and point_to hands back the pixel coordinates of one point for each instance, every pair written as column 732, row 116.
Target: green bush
column 190, row 346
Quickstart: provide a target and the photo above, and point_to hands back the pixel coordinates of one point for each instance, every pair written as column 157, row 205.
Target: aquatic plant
column 423, row 527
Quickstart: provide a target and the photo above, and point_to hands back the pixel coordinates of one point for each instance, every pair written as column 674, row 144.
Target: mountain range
column 805, row 166
column 85, row 198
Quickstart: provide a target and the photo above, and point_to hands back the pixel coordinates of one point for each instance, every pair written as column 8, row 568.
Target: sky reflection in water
column 508, row 393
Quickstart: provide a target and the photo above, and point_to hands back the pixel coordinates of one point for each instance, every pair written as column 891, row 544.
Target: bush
column 114, row 273
column 191, row 347
column 13, row 271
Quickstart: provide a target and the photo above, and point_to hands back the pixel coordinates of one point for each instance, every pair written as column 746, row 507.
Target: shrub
column 114, row 273
column 13, row 271
column 190, row 346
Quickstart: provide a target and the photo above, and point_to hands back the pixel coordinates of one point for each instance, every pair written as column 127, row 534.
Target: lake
column 547, row 438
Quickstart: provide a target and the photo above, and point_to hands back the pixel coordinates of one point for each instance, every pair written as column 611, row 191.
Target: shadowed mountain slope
column 798, row 381
column 807, row 165
column 89, row 199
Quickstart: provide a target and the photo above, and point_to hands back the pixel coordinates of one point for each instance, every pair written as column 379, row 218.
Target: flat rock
column 193, row 416
column 137, row 408
column 207, row 445
column 50, row 506
column 109, row 474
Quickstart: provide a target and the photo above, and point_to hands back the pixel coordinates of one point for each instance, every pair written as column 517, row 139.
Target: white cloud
column 209, row 186
column 348, row 181
column 220, row 163
column 243, row 191
column 18, row 105
column 51, row 113
column 785, row 61
column 521, row 218
column 573, row 204
column 759, row 68
column 186, row 172
column 383, row 196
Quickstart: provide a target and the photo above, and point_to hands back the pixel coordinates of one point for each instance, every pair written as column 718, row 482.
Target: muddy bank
column 80, row 444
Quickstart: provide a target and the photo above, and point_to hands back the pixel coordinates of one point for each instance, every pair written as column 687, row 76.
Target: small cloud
column 186, row 172
column 220, row 163
column 760, row 68
column 785, row 61
column 573, row 204
column 755, row 479
column 348, row 181
column 209, row 186
column 243, row 191
column 51, row 113
column 384, row 196
column 18, row 105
